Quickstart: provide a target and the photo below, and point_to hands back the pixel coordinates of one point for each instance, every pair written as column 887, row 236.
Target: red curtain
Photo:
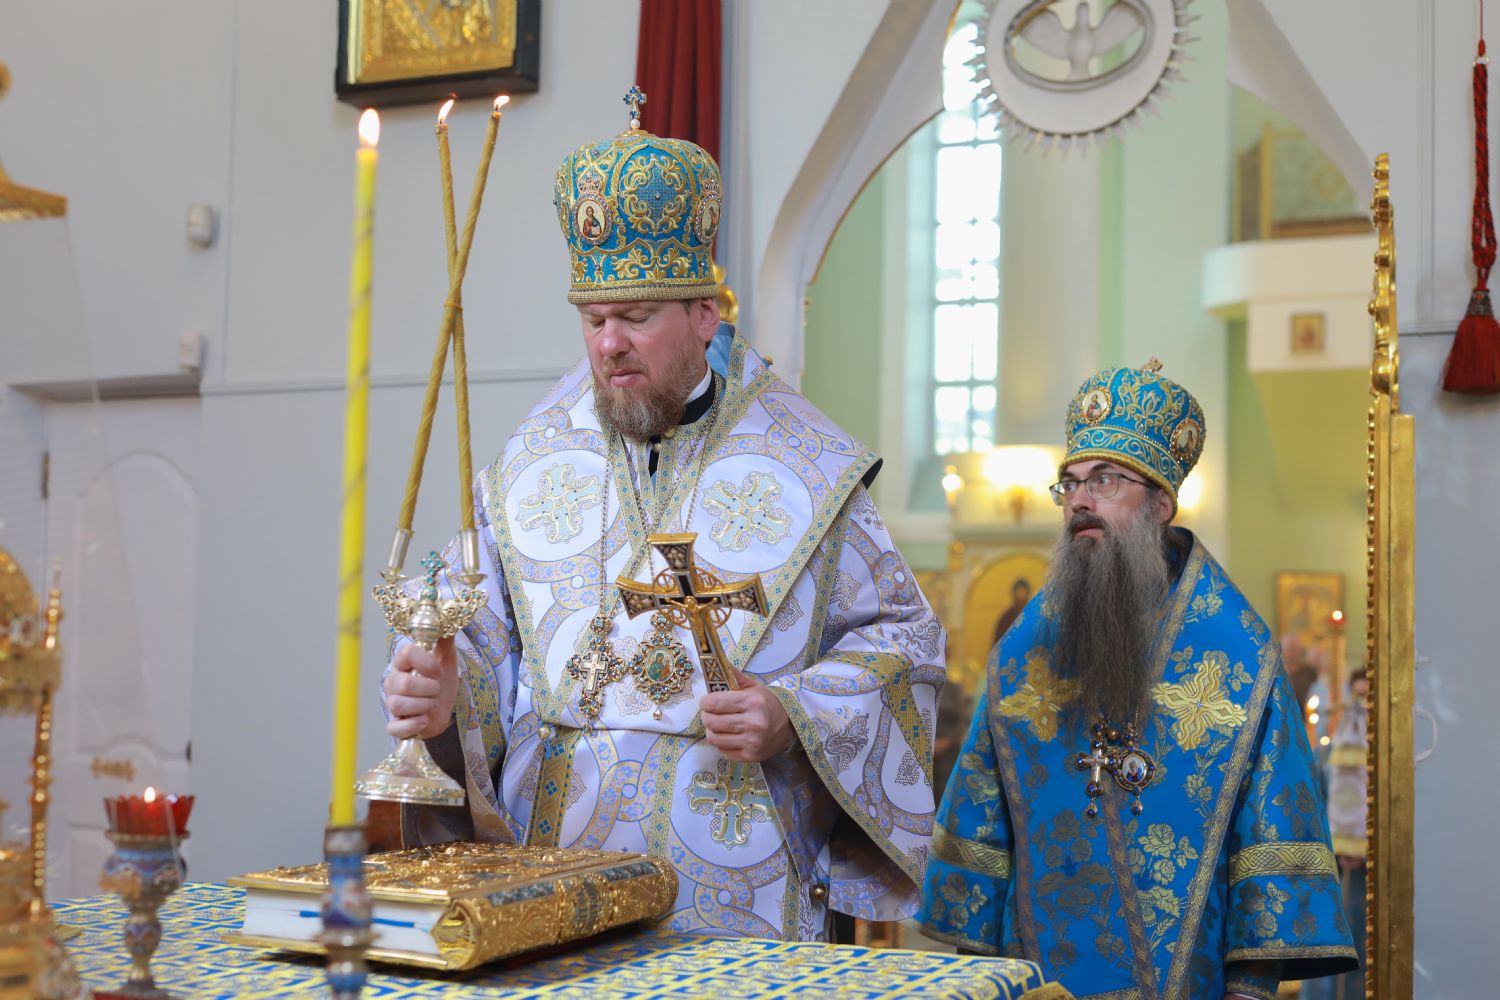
column 678, row 65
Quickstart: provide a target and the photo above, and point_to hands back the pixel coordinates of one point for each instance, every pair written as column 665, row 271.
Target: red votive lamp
column 149, row 814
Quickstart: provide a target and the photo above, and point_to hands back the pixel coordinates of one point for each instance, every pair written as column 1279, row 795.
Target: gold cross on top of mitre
column 695, row 598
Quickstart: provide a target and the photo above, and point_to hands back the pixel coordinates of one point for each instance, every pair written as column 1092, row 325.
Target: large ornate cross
column 694, row 598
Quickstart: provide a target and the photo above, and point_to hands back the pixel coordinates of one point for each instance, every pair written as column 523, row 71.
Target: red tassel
column 1473, row 363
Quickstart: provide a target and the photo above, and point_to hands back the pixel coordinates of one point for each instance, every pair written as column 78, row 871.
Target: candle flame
column 150, row 795
column 443, row 111
column 369, row 128
column 501, row 102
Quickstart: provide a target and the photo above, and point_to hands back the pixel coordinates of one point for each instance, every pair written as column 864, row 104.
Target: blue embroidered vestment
column 1225, row 881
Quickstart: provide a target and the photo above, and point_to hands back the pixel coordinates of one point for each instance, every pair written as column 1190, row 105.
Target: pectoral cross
column 596, row 667
column 1097, row 762
column 694, row 598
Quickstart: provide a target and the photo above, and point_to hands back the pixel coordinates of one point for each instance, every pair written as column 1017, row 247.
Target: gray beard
column 641, row 415
column 1105, row 595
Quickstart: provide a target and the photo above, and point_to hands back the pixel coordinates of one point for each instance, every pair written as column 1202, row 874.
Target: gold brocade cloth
column 194, row 961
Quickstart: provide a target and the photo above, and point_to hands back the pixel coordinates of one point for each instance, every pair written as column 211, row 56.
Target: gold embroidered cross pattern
column 735, row 798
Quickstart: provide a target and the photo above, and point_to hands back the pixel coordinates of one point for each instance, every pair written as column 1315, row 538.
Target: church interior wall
column 273, row 422
column 131, row 137
column 1049, row 289
column 264, row 679
column 1107, row 254
column 1457, row 685
column 1175, row 160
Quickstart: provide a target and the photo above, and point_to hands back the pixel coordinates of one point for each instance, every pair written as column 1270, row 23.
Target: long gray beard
column 1105, row 595
column 641, row 416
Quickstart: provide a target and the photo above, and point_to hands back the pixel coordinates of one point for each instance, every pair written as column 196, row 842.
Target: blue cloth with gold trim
column 194, row 961
column 1225, row 879
column 1139, row 419
column 639, row 213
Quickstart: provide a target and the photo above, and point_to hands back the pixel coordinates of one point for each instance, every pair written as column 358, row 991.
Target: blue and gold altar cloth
column 194, row 962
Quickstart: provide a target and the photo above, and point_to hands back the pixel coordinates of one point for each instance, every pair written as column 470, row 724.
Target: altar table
column 193, row 962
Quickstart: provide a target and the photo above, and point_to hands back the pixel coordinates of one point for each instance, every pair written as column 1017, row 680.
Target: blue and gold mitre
column 639, row 213
column 1139, row 419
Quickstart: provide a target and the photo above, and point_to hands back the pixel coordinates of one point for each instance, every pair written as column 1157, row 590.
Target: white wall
column 1398, row 74
column 1458, row 677
column 134, row 113
column 125, row 110
column 1049, row 291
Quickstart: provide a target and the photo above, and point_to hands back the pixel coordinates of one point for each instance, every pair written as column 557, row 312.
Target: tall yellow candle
column 459, row 263
column 346, row 695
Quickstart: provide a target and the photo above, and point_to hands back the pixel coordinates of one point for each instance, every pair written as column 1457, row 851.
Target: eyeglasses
column 1101, row 486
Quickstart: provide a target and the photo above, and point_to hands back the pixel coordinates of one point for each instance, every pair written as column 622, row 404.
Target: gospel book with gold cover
column 457, row 906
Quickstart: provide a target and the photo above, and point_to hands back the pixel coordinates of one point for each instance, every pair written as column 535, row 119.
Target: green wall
column 1296, row 482
column 1111, row 247
column 841, row 373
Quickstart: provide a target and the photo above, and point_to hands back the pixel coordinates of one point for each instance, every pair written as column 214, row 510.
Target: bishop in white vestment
column 571, row 734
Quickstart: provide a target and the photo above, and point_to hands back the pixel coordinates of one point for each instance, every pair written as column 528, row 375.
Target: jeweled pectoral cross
column 597, row 667
column 1097, row 761
column 694, row 598
column 1132, row 768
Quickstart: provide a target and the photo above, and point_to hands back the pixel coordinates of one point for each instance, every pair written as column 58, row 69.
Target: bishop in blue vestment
column 1136, row 806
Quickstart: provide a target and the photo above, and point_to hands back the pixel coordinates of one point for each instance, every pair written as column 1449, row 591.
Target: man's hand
column 420, row 690
column 748, row 725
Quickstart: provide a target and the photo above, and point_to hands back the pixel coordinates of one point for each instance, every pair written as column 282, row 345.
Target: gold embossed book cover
column 457, row 906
